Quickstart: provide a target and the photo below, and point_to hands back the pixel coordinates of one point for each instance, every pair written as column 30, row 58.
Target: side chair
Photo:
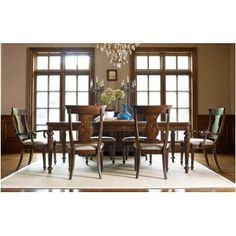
column 206, row 140
column 152, row 144
column 82, row 144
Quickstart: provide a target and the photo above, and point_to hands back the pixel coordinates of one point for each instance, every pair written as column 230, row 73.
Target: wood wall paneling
column 9, row 141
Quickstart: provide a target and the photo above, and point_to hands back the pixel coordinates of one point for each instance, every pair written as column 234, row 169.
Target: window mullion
column 62, row 88
column 48, row 108
column 163, row 86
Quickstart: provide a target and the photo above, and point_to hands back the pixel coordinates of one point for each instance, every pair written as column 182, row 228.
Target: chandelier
column 118, row 52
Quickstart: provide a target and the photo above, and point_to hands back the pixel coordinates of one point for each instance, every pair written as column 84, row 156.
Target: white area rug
column 116, row 176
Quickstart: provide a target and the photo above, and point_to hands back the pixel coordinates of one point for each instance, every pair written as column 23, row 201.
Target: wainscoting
column 10, row 144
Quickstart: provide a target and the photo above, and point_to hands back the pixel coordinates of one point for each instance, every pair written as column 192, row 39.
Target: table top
column 118, row 125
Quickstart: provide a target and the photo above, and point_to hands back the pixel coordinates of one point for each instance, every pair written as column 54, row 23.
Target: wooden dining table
column 117, row 126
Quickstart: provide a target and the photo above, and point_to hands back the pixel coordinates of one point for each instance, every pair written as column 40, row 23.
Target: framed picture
column 111, row 75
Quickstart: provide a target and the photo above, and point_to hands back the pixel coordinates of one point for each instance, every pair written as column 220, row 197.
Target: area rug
column 116, row 176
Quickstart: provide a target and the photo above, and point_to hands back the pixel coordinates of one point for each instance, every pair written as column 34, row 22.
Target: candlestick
column 127, row 79
column 91, row 83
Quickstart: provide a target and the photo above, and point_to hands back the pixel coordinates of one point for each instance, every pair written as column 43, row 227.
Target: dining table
column 114, row 125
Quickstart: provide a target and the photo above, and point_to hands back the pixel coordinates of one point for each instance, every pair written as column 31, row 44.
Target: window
column 59, row 77
column 165, row 76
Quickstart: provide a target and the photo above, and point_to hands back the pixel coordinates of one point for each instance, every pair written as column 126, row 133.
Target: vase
column 108, row 115
column 124, row 114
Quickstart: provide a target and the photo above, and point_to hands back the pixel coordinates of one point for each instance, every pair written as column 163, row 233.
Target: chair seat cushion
column 87, row 146
column 36, row 141
column 198, row 141
column 151, row 146
column 131, row 139
column 104, row 139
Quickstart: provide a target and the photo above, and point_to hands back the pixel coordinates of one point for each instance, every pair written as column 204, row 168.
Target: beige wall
column 216, row 75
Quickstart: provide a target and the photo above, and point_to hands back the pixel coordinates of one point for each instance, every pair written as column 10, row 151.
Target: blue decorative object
column 124, row 114
column 130, row 110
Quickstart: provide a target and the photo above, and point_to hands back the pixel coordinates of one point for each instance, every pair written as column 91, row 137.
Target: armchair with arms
column 28, row 139
column 208, row 139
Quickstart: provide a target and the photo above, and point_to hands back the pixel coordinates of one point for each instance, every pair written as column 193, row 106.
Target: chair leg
column 21, row 158
column 113, row 153
column 215, row 158
column 54, row 154
column 181, row 153
column 205, row 155
column 101, row 160
column 138, row 157
column 44, row 160
column 110, row 152
column 72, row 165
column 86, row 161
column 150, row 159
column 164, row 164
column 167, row 160
column 31, row 155
column 192, row 158
column 124, row 153
column 69, row 161
column 99, row 165
column 127, row 152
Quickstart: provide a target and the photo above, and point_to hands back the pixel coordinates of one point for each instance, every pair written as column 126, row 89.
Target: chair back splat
column 216, row 122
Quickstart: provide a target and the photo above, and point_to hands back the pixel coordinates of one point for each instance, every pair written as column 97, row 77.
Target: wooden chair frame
column 27, row 138
column 212, row 133
column 150, row 114
column 86, row 114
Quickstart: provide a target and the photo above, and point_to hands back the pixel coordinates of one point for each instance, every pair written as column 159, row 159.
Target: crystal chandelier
column 118, row 52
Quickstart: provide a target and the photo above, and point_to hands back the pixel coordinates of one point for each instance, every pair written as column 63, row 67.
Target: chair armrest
column 22, row 134
column 32, row 137
column 45, row 132
column 201, row 133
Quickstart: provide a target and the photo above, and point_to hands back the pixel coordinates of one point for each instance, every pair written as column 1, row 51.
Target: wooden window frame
column 31, row 63
column 148, row 51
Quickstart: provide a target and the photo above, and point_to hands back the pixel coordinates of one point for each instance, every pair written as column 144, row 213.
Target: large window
column 165, row 76
column 59, row 77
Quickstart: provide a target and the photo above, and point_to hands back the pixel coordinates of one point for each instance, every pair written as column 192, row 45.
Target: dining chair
column 82, row 144
column 28, row 139
column 208, row 139
column 152, row 144
column 110, row 142
column 128, row 141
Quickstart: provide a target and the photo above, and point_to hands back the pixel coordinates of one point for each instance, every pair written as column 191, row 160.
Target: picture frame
column 111, row 75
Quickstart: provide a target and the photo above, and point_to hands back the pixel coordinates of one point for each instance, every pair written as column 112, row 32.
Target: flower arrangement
column 108, row 96
column 119, row 94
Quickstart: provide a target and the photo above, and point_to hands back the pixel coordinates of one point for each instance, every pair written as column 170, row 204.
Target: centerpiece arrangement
column 108, row 97
column 111, row 96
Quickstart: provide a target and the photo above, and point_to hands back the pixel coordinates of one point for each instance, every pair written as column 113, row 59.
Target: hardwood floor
column 227, row 163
